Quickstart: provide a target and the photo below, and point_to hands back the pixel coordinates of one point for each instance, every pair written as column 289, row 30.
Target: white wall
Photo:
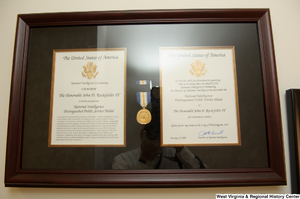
column 285, row 18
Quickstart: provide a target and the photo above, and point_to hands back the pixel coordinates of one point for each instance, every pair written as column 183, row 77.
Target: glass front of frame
column 129, row 59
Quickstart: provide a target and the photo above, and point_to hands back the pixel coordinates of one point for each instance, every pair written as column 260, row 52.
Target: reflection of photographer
column 151, row 156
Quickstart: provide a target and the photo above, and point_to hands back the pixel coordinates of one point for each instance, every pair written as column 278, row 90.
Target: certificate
column 88, row 98
column 199, row 96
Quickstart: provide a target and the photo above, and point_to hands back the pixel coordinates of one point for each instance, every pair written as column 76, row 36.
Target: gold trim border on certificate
column 239, row 143
column 52, row 90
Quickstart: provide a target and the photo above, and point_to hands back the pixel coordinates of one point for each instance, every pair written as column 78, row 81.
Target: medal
column 143, row 116
column 143, row 98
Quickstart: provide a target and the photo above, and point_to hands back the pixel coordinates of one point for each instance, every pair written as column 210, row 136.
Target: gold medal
column 143, row 116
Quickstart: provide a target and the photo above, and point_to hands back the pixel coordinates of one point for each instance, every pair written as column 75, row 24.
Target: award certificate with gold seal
column 199, row 99
column 88, row 98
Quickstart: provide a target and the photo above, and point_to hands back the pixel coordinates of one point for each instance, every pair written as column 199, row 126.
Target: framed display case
column 152, row 98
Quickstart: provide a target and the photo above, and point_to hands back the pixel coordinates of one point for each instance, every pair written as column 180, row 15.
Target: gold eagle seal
column 89, row 70
column 198, row 68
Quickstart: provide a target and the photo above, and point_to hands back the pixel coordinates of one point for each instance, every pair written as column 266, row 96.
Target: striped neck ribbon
column 143, row 98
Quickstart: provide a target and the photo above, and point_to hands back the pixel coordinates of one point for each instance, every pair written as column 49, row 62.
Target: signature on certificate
column 204, row 133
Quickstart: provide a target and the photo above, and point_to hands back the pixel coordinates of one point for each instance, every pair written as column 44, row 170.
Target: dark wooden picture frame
column 292, row 103
column 272, row 175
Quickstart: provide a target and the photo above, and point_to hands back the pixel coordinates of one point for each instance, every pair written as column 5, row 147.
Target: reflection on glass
column 150, row 155
column 142, row 43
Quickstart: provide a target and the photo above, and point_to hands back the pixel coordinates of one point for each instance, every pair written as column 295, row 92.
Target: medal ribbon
column 144, row 82
column 143, row 98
